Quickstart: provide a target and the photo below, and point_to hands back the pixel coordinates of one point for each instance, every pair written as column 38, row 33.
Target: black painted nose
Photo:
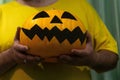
column 56, row 20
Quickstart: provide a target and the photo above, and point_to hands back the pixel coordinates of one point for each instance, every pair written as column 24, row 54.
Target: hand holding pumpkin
column 18, row 52
column 84, row 57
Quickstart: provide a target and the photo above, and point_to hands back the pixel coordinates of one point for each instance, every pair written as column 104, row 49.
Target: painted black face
column 71, row 36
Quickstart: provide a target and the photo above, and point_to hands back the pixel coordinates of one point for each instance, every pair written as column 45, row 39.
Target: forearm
column 6, row 61
column 104, row 61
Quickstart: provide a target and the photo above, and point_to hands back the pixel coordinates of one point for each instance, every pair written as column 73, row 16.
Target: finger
column 70, row 59
column 33, row 59
column 20, row 47
column 26, row 58
column 65, row 59
column 89, row 39
column 17, row 35
column 19, row 57
column 77, row 52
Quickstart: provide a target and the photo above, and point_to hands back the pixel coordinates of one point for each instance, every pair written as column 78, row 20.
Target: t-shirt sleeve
column 102, row 38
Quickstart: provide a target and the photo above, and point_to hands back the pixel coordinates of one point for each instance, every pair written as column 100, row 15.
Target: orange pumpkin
column 52, row 33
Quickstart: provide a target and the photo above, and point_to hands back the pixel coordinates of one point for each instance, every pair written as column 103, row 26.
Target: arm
column 104, row 61
column 16, row 55
column 6, row 61
column 100, row 61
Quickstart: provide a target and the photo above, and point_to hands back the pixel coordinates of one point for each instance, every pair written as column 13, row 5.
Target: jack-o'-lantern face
column 53, row 32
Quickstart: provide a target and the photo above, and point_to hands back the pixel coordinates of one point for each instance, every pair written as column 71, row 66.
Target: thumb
column 17, row 35
column 89, row 39
column 78, row 52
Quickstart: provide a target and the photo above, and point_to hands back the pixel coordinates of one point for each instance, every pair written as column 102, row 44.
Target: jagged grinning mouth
column 71, row 36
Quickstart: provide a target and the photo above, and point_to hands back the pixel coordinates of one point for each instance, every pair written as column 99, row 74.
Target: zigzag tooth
column 71, row 36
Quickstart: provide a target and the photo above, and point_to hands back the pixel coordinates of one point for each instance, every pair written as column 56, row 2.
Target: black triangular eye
column 68, row 15
column 42, row 14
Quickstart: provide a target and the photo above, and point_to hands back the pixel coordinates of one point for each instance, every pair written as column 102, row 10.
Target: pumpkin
column 51, row 33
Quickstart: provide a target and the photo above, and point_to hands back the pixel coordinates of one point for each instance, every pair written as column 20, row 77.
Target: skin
column 37, row 3
column 16, row 55
column 100, row 61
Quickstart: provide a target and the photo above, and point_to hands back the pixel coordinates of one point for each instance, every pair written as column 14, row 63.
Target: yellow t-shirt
column 14, row 14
